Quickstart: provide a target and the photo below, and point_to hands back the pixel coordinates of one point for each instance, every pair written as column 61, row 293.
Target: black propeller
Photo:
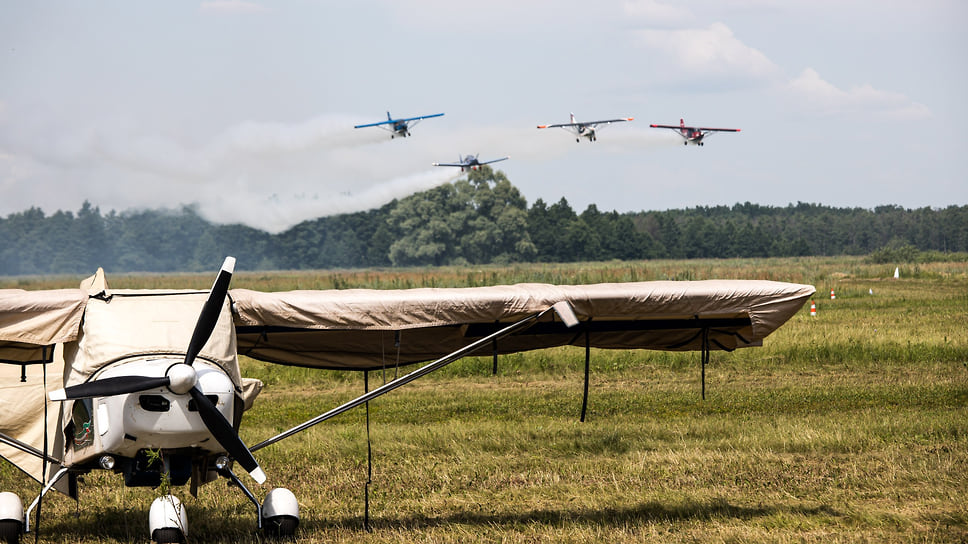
column 226, row 436
column 109, row 386
column 181, row 379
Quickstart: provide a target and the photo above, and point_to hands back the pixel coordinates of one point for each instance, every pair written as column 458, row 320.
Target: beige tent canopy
column 366, row 329
column 31, row 322
column 357, row 329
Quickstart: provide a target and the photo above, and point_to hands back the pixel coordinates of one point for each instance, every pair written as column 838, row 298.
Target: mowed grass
column 851, row 426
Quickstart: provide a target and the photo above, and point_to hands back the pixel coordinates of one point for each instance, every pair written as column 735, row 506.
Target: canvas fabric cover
column 31, row 320
column 149, row 323
column 22, row 414
column 356, row 329
column 116, row 325
column 359, row 329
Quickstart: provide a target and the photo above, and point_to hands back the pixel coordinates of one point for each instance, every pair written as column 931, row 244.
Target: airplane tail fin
column 572, row 117
column 389, row 118
column 682, row 123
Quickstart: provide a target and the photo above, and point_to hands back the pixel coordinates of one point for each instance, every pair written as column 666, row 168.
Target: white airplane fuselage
column 126, row 426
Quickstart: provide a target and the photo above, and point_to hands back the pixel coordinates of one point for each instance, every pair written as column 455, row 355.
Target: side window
column 83, row 423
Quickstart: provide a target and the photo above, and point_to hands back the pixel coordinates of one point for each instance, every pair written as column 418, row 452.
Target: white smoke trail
column 281, row 210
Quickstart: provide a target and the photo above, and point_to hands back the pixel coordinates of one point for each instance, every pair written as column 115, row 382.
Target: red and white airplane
column 693, row 135
column 585, row 129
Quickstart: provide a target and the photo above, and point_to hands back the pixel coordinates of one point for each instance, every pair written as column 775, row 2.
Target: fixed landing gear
column 277, row 516
column 11, row 518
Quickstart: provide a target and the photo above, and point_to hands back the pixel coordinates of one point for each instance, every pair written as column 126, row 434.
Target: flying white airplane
column 586, row 129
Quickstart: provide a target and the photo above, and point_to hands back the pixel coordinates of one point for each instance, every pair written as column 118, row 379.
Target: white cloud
column 713, row 54
column 822, row 96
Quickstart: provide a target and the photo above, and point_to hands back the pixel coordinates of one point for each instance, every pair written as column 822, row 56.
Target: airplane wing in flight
column 588, row 123
column 494, row 160
column 395, row 121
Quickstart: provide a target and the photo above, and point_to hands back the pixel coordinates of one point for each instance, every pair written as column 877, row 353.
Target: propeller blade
column 109, row 386
column 210, row 311
column 226, row 436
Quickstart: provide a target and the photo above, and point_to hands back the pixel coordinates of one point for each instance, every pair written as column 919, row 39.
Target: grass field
column 851, row 426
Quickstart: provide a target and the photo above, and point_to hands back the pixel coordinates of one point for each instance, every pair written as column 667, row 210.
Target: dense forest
column 479, row 219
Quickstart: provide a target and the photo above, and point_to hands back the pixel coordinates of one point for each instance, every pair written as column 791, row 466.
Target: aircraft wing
column 588, row 123
column 392, row 121
column 457, row 164
column 707, row 129
column 495, row 160
column 378, row 123
column 702, row 129
column 362, row 329
column 420, row 117
column 608, row 121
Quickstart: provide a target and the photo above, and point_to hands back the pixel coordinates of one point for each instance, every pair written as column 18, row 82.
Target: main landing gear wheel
column 280, row 513
column 11, row 518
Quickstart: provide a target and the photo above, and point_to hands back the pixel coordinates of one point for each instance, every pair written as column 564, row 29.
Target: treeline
column 478, row 219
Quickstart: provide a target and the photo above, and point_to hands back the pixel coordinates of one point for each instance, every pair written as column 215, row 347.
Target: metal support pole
column 588, row 356
column 53, row 481
column 227, row 473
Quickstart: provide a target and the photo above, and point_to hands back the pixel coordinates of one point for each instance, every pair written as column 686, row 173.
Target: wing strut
column 563, row 309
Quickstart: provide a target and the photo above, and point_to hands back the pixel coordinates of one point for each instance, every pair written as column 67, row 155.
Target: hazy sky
column 247, row 108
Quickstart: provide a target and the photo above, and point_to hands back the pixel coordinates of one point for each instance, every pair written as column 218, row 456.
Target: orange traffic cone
column 832, row 295
column 813, row 309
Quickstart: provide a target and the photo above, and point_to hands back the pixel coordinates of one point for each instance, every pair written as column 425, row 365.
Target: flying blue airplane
column 469, row 162
column 398, row 127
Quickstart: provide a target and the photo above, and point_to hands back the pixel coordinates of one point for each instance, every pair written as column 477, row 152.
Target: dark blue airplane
column 469, row 162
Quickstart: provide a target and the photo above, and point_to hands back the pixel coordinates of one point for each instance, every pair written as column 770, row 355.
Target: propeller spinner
column 181, row 379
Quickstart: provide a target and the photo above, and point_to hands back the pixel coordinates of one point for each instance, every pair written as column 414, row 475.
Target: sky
column 245, row 109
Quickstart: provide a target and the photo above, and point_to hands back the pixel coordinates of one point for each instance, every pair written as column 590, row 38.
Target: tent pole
column 584, row 400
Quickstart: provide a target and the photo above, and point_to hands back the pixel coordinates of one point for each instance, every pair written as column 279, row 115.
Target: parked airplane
column 151, row 393
column 693, row 135
column 469, row 162
column 398, row 127
column 586, row 129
